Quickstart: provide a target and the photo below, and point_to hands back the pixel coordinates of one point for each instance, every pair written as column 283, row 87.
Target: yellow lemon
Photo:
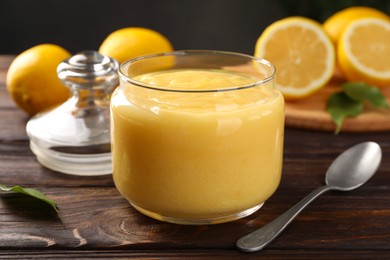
column 364, row 51
column 302, row 52
column 337, row 22
column 131, row 42
column 32, row 79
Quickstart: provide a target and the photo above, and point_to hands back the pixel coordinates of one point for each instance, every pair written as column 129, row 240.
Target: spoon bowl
column 354, row 167
column 348, row 171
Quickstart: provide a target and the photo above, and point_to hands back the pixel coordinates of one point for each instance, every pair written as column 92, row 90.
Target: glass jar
column 197, row 136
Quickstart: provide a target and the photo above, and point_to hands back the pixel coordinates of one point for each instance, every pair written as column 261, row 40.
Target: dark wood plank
column 5, row 100
column 5, row 61
column 19, row 166
column 100, row 218
column 195, row 254
column 13, row 125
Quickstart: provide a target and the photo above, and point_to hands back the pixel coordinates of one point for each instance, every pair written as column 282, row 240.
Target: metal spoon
column 349, row 170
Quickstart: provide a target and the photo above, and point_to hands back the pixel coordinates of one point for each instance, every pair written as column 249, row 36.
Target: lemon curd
column 185, row 154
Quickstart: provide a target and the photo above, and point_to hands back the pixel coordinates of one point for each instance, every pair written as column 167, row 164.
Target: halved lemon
column 302, row 52
column 364, row 51
column 337, row 22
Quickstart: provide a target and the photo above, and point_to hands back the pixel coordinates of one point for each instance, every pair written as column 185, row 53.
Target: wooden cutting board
column 310, row 113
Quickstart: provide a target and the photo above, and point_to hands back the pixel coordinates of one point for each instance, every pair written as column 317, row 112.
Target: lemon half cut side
column 302, row 52
column 336, row 23
column 364, row 51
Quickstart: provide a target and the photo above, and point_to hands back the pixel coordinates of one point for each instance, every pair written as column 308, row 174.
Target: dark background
column 229, row 25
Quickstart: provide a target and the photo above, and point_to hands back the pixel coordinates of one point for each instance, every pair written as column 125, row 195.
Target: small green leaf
column 363, row 92
column 33, row 193
column 340, row 106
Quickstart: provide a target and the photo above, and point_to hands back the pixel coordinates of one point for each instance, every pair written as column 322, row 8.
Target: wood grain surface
column 99, row 223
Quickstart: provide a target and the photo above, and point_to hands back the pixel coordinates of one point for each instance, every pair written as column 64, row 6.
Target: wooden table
column 98, row 222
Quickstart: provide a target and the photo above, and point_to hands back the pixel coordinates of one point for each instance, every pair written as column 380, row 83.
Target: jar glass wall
column 197, row 136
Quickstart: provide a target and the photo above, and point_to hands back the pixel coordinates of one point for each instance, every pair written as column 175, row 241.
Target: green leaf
column 360, row 91
column 340, row 106
column 33, row 193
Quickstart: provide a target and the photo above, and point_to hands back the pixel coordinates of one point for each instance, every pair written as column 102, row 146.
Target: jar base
column 199, row 221
column 74, row 164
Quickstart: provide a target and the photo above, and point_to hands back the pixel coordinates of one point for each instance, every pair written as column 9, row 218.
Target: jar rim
column 142, row 84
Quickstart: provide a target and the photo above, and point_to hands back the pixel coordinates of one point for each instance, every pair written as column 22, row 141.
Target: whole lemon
column 32, row 79
column 127, row 43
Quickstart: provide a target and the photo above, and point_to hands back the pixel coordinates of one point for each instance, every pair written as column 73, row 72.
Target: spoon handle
column 258, row 239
